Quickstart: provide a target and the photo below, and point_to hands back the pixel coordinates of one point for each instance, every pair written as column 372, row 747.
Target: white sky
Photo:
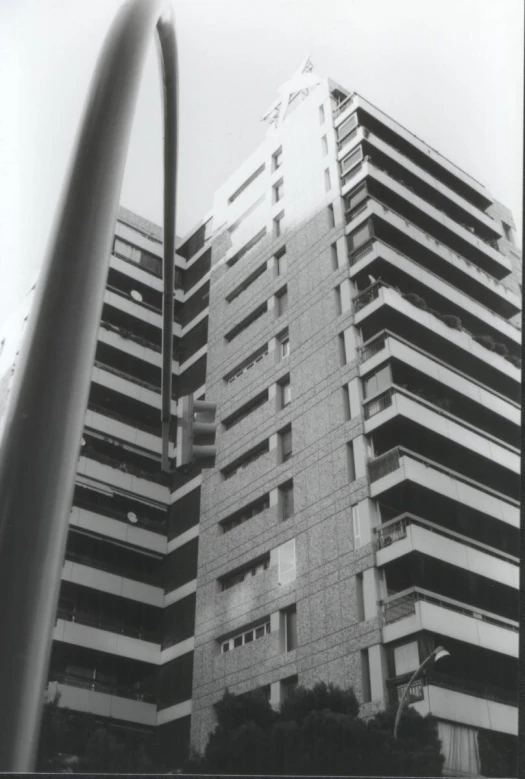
column 449, row 70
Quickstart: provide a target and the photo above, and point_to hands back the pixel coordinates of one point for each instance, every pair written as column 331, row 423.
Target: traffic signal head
column 195, row 431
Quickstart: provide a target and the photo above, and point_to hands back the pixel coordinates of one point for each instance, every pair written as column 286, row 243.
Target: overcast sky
column 449, row 70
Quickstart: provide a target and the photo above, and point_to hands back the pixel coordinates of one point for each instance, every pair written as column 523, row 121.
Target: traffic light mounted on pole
column 195, row 431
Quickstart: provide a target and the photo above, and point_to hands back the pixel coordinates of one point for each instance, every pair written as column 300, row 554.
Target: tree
column 316, row 731
column 72, row 742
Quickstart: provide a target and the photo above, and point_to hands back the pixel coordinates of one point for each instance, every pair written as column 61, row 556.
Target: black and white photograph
column 260, row 387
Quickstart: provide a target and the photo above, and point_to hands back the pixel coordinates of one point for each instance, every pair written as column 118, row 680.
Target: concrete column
column 360, row 456
column 275, row 695
column 346, row 296
column 370, row 592
column 351, row 344
column 342, row 258
column 272, row 442
column 274, row 497
column 369, row 519
column 376, row 659
column 338, row 211
column 271, row 265
column 355, row 397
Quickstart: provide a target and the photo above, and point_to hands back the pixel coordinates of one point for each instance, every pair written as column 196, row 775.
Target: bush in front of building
column 316, row 732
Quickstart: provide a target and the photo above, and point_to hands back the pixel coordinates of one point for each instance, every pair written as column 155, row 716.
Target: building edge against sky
column 352, row 303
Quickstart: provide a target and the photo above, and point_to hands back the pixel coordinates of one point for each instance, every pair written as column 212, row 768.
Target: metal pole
column 43, row 430
column 414, row 676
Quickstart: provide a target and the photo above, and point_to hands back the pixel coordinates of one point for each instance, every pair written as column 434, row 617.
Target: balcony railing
column 391, row 532
column 398, row 686
column 354, row 170
column 363, row 250
column 368, row 295
column 128, row 297
column 128, row 376
column 398, row 607
column 128, row 334
column 351, row 135
column 384, row 464
column 379, row 404
column 106, row 623
column 151, row 429
column 92, row 453
column 351, row 213
column 116, row 568
column 338, row 110
column 372, row 347
column 397, row 690
column 133, row 692
column 154, row 525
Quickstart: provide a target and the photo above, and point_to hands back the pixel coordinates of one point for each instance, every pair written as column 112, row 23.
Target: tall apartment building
column 352, row 303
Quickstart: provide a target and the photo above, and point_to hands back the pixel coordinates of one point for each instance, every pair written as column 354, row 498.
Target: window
column 277, row 159
column 347, row 412
column 338, row 305
column 246, row 513
column 359, row 597
column 286, row 562
column 355, row 197
column 331, row 216
column 284, row 346
column 351, row 160
column 277, row 226
column 321, row 114
column 333, row 256
column 286, row 500
column 346, row 127
column 365, row 676
column 246, row 460
column 342, row 349
column 290, row 629
column 278, row 191
column 285, row 393
column 246, row 365
column 360, row 236
column 246, row 637
column 327, row 182
column 324, row 145
column 246, row 322
column 253, row 569
column 377, row 382
column 350, row 460
column 286, row 444
column 282, row 302
column 356, row 526
column 280, row 261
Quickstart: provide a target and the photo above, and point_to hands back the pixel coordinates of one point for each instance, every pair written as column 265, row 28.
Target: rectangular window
column 286, row 444
column 365, row 676
column 246, row 637
column 285, row 392
column 286, row 562
column 278, row 191
column 347, row 126
column 246, row 184
column 333, row 256
column 355, row 197
column 321, row 114
column 351, row 461
column 286, row 499
column 327, row 182
column 356, row 526
column 277, row 159
column 360, row 236
column 359, row 597
column 342, row 348
column 247, row 572
column 246, row 365
column 351, row 160
column 246, row 513
column 324, row 145
column 247, row 459
column 280, row 261
column 277, row 225
column 282, row 302
column 347, row 412
column 338, row 305
column 290, row 629
column 331, row 216
column 377, row 382
column 284, row 346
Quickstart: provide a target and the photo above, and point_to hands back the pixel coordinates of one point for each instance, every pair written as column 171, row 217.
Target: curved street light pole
column 438, row 653
column 43, row 429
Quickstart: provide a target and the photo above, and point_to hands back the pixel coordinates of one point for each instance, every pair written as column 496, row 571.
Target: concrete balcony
column 141, row 311
column 398, row 402
column 126, row 481
column 133, row 388
column 396, row 348
column 415, row 610
column 81, row 695
column 105, row 641
column 401, row 468
column 442, row 226
column 386, row 308
column 408, row 533
column 396, row 268
column 134, row 271
column 120, row 529
column 113, row 583
column 468, row 208
column 142, row 352
column 463, row 702
column 117, row 428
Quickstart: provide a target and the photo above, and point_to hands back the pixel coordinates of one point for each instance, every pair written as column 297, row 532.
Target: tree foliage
column 316, row 731
column 73, row 743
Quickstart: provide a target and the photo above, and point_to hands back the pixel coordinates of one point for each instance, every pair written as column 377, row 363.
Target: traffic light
column 195, row 431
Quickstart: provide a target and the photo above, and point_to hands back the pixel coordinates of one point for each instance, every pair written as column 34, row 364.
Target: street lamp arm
column 414, row 676
column 49, row 397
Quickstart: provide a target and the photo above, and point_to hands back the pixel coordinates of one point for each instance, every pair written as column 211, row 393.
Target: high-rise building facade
column 352, row 303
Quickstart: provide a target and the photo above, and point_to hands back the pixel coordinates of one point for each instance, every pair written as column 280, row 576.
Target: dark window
column 355, row 197
column 351, row 160
column 351, row 461
column 360, row 601
column 286, row 494
column 360, row 236
column 286, row 445
column 180, row 566
column 175, row 680
column 365, row 675
column 282, row 302
column 290, row 626
column 377, row 381
column 178, row 621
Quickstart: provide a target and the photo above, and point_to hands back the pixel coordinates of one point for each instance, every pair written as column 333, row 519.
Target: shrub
column 485, row 340
column 452, row 321
column 416, row 300
column 501, row 349
column 514, row 360
column 434, row 313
